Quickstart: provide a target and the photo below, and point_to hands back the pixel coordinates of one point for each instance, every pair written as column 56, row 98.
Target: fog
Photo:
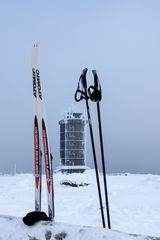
column 120, row 39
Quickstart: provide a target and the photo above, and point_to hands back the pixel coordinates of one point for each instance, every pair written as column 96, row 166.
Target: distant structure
column 72, row 143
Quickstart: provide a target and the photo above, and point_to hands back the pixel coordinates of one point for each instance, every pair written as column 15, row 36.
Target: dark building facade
column 72, row 142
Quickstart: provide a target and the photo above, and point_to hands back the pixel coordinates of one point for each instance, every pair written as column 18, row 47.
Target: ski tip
column 35, row 45
column 34, row 57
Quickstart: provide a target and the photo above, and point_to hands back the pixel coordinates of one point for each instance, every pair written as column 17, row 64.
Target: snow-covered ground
column 134, row 200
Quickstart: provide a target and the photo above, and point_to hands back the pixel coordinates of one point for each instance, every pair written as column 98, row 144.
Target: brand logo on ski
column 34, row 82
column 36, row 151
column 39, row 84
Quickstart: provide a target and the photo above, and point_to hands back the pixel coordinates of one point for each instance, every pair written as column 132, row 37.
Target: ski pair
column 94, row 94
column 41, row 139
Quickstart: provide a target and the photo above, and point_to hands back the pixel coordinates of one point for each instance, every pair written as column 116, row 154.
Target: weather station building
column 73, row 143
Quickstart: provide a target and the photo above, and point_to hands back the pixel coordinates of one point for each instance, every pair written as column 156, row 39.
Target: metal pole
column 103, row 165
column 84, row 83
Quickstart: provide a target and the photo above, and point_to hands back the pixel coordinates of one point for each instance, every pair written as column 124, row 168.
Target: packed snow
column 134, row 202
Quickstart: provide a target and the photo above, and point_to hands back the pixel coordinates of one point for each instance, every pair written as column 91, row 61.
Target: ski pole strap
column 94, row 92
column 81, row 92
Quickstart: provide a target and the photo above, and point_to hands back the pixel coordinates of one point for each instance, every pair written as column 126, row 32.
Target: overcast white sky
column 119, row 38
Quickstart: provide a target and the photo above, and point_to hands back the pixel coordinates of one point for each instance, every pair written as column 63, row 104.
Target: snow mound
column 13, row 228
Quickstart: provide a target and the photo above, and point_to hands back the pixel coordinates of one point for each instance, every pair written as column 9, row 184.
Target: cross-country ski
column 42, row 152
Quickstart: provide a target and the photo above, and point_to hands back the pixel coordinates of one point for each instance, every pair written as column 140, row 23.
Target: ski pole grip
column 81, row 94
column 78, row 96
column 83, row 78
column 96, row 80
column 95, row 93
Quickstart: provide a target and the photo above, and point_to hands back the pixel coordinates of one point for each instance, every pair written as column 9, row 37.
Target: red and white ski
column 40, row 132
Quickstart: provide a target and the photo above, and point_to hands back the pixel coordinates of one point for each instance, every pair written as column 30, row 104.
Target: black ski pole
column 52, row 185
column 95, row 95
column 83, row 95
